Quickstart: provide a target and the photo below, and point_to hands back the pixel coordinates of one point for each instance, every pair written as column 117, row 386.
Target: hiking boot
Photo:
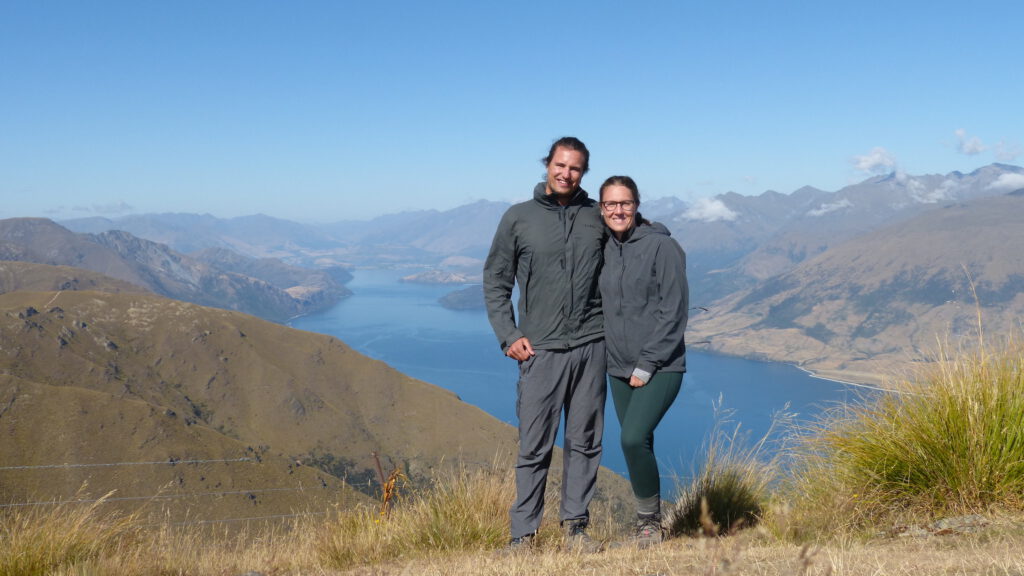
column 648, row 530
column 577, row 539
column 521, row 544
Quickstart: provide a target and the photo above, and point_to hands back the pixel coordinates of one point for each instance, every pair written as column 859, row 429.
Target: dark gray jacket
column 646, row 297
column 554, row 254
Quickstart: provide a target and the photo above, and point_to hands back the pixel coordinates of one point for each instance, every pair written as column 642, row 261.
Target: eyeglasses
column 626, row 205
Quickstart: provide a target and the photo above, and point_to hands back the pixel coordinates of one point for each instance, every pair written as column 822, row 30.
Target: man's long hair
column 571, row 143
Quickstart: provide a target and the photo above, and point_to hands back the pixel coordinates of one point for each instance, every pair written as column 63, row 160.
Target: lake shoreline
column 858, row 379
column 404, row 325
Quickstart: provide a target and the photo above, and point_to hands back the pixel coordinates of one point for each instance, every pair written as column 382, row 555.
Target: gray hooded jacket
column 646, row 297
column 554, row 253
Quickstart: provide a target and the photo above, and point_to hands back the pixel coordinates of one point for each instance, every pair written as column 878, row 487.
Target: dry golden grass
column 401, row 545
column 38, row 539
column 842, row 515
column 749, row 553
column 465, row 511
column 745, row 554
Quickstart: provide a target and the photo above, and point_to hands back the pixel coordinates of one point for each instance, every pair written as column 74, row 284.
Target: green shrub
column 732, row 485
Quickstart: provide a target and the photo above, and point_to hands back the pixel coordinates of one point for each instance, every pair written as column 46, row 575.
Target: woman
column 645, row 298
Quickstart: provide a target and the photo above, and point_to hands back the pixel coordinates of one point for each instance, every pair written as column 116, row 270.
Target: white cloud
column 918, row 190
column 709, row 210
column 1008, row 183
column 878, row 161
column 921, row 194
column 945, row 191
column 833, row 207
column 969, row 145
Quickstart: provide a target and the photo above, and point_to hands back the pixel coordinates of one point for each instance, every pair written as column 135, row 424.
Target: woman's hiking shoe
column 648, row 530
column 577, row 539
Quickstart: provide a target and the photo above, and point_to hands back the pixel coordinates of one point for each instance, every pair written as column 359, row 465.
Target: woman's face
column 618, row 209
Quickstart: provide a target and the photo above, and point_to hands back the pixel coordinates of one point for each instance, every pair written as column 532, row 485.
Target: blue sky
column 324, row 111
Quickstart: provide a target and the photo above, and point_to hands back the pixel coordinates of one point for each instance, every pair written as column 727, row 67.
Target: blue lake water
column 404, row 326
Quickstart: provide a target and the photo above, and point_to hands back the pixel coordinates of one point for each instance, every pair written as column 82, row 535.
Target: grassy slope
column 44, row 425
column 163, row 378
column 31, row 277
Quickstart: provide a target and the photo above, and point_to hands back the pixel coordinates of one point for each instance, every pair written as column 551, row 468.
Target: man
column 552, row 247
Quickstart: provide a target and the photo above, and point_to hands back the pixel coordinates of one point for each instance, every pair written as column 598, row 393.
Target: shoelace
column 648, row 528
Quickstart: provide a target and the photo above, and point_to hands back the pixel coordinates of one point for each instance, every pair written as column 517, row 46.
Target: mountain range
column 265, row 287
column 862, row 280
column 459, row 237
column 880, row 299
column 741, row 251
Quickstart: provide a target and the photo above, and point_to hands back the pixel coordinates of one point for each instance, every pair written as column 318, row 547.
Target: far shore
column 858, row 379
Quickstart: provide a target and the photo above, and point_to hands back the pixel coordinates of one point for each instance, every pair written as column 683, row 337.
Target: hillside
column 31, row 277
column 95, row 377
column 272, row 291
column 311, row 289
column 718, row 234
column 883, row 298
column 98, row 377
column 64, row 442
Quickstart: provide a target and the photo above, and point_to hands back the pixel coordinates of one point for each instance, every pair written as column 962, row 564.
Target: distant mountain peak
column 1001, row 167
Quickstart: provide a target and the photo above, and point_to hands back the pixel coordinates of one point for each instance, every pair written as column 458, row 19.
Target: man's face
column 565, row 170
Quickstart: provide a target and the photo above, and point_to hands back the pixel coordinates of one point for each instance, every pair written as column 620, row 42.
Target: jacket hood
column 541, row 195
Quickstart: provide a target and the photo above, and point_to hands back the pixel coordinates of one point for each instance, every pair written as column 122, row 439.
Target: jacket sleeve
column 671, row 312
column 499, row 279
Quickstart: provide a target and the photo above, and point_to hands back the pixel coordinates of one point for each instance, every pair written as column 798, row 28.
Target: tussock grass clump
column 732, row 486
column 949, row 441
column 464, row 511
column 46, row 538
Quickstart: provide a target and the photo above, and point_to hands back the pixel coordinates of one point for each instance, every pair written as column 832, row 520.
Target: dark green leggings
column 639, row 411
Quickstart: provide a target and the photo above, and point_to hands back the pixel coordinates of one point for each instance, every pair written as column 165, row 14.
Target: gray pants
column 550, row 381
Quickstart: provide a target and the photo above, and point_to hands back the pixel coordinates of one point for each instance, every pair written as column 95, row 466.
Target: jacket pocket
column 524, row 274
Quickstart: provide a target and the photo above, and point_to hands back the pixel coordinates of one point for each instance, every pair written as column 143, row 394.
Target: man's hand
column 520, row 350
column 636, row 382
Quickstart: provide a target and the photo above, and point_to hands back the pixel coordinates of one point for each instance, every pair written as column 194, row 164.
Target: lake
column 404, row 326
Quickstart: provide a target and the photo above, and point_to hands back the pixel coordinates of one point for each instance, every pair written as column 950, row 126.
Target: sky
column 320, row 111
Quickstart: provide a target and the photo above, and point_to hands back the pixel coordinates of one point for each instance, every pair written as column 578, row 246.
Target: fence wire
column 171, row 462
